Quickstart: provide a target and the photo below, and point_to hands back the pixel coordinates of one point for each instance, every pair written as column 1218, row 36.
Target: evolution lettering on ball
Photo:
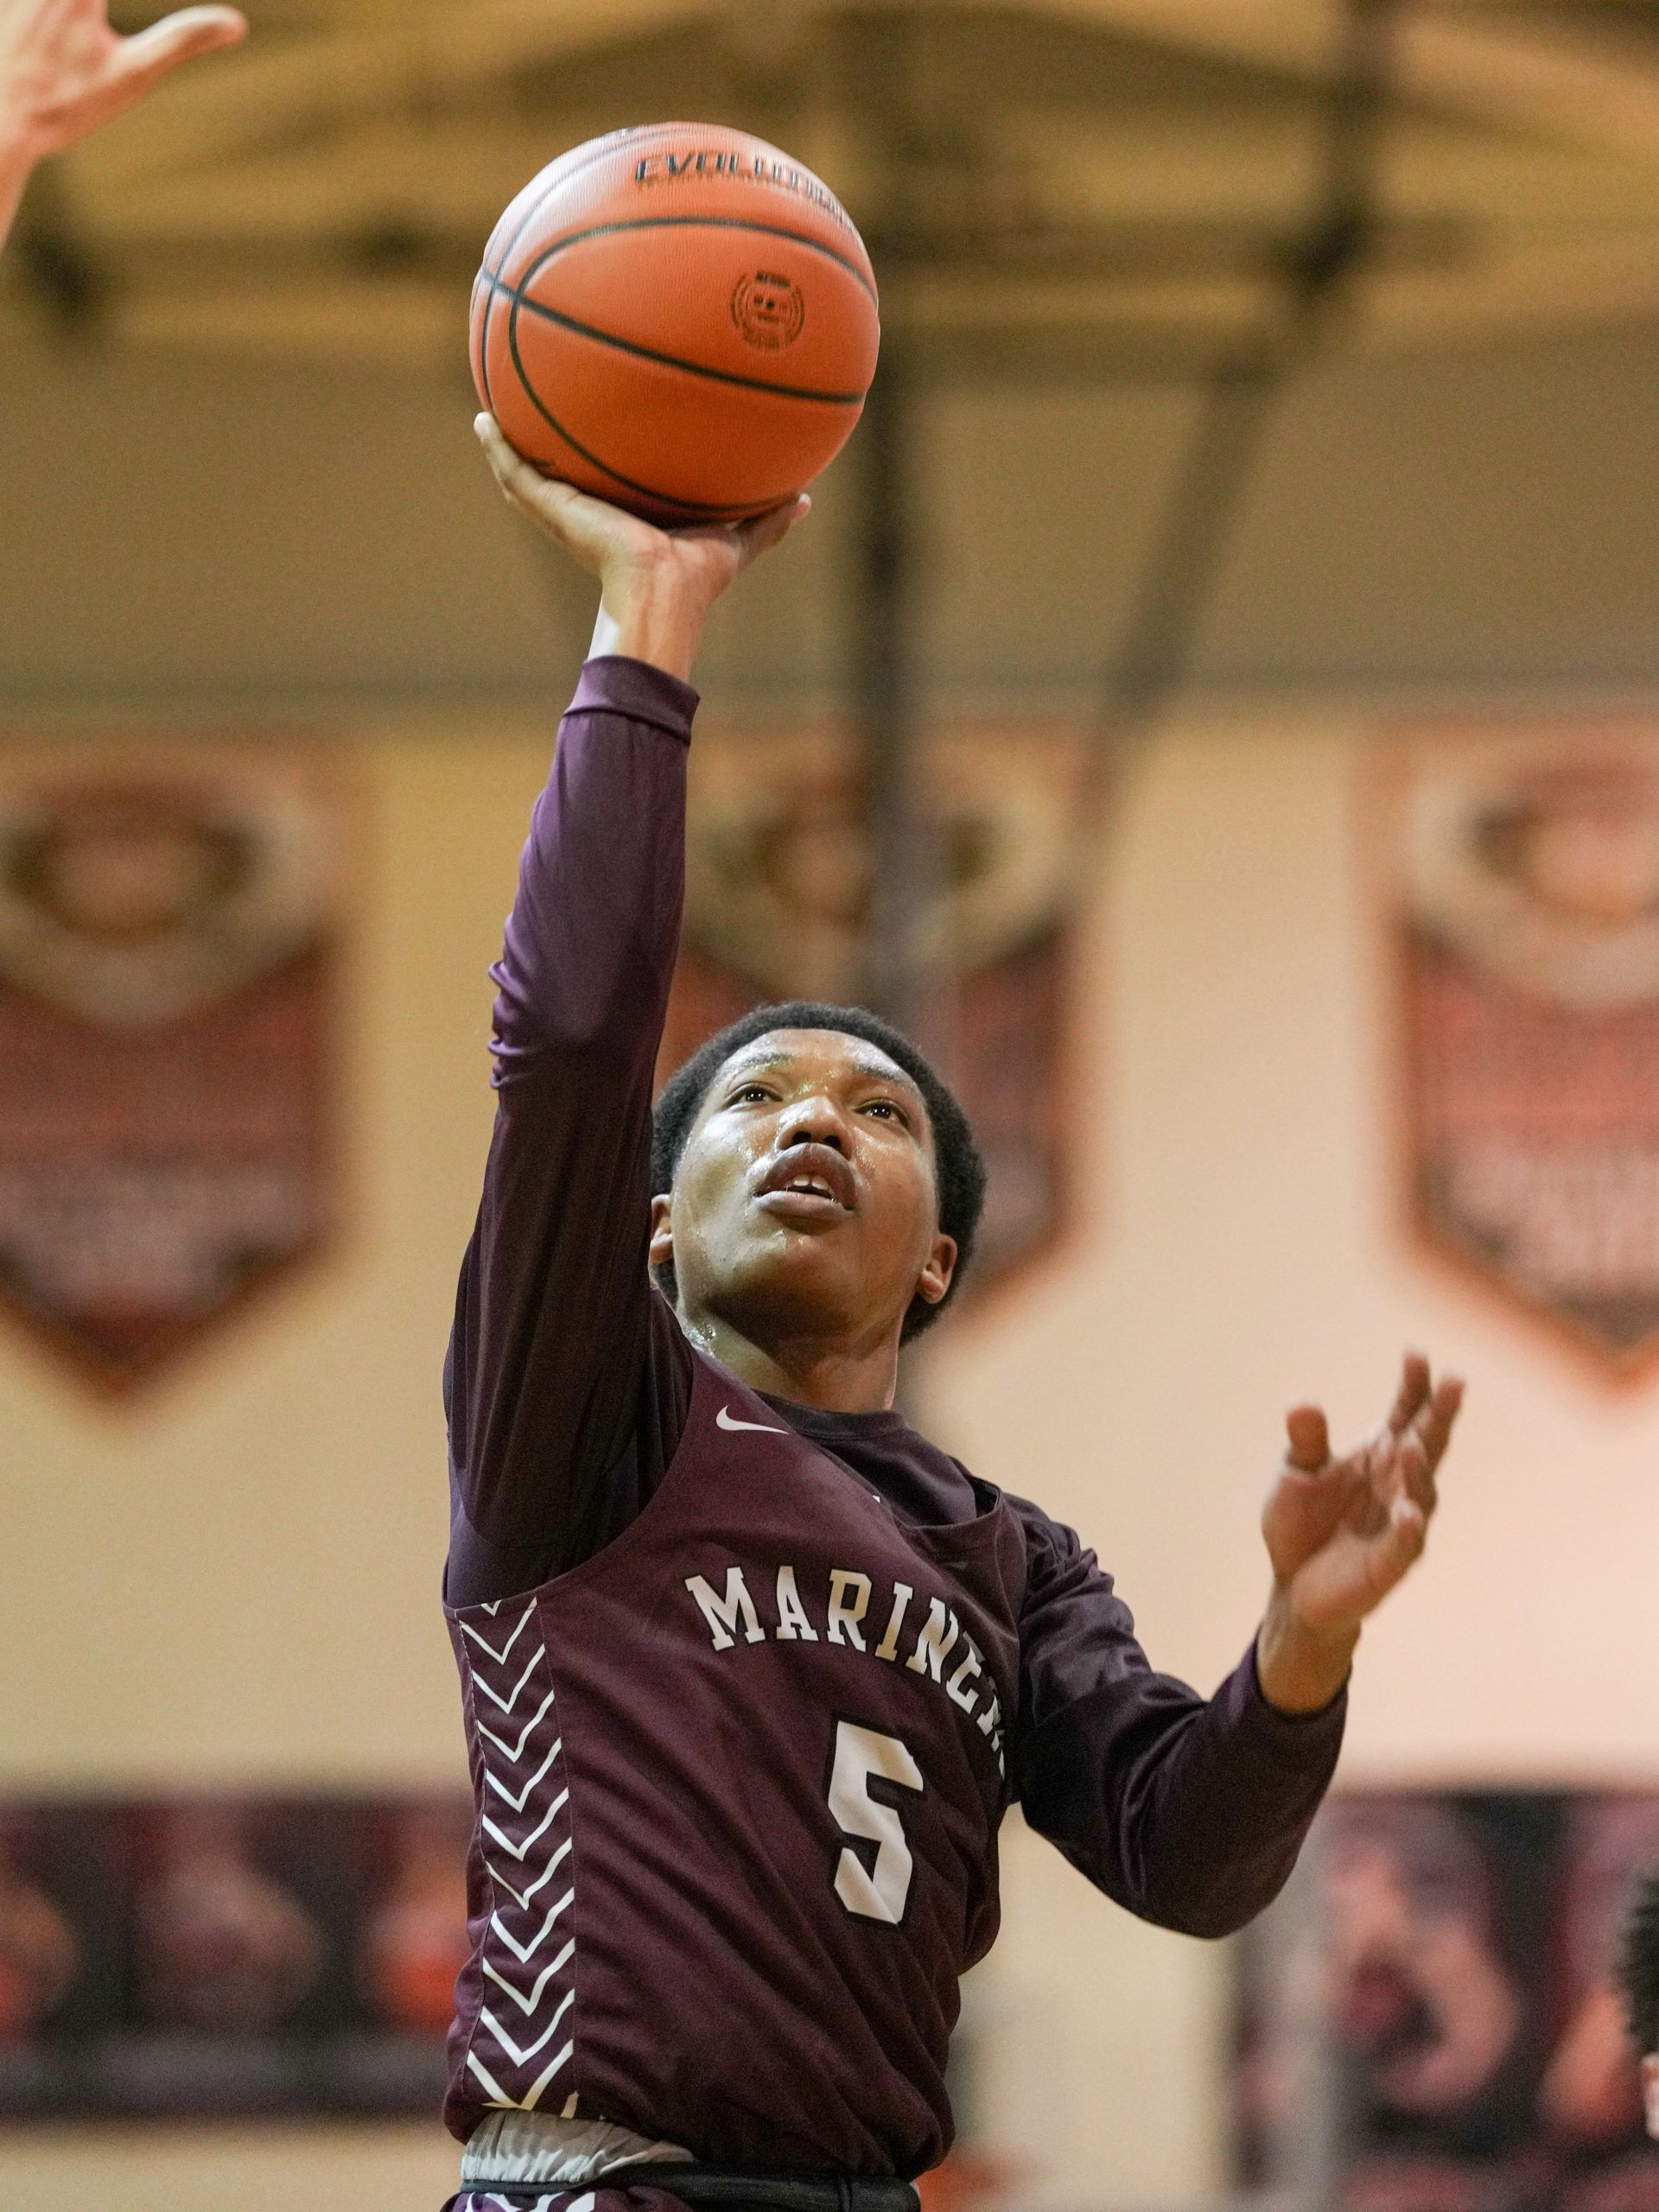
column 743, row 169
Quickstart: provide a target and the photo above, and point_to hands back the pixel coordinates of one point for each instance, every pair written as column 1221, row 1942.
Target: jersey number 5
column 879, row 1890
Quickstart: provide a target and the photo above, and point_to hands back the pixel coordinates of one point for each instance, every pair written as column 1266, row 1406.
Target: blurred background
column 1213, row 702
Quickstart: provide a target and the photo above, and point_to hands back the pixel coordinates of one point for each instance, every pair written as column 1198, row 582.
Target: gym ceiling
column 1097, row 178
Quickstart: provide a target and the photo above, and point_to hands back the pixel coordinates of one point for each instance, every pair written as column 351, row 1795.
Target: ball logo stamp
column 769, row 310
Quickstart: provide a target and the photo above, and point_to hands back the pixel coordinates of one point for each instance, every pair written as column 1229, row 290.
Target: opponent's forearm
column 15, row 169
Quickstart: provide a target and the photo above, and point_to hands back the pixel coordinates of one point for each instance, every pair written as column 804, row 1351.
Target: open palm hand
column 63, row 70
column 1341, row 1532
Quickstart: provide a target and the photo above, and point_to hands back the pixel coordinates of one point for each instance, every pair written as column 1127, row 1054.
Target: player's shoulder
column 1059, row 1564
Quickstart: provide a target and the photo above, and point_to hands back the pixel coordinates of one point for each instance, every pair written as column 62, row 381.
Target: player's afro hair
column 1638, row 1963
column 960, row 1171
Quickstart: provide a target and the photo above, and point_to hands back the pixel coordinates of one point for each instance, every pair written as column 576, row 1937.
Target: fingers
column 92, row 75
column 1407, row 1465
column 1398, row 1546
column 591, row 529
column 1310, row 1439
column 150, row 53
column 1411, row 1476
column 758, row 536
column 1413, row 1391
column 1433, row 1421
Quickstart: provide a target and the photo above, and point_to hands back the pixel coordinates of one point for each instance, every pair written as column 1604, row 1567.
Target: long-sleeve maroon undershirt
column 567, row 1377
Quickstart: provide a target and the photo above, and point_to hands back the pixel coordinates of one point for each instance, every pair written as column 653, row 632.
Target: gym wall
column 232, row 1578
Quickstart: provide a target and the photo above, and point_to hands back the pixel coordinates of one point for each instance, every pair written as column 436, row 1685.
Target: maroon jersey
column 749, row 1686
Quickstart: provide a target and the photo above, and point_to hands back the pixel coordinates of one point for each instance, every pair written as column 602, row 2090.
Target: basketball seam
column 693, row 223
column 484, row 343
column 609, row 147
column 663, row 498
column 670, row 361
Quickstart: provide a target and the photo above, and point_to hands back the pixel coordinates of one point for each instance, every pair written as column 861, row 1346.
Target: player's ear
column 1650, row 2090
column 935, row 1278
column 661, row 1233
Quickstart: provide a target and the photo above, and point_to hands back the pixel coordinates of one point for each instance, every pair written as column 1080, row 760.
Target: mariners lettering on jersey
column 936, row 1638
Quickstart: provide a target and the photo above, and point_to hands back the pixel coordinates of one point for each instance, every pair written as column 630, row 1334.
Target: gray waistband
column 717, row 2189
column 541, row 2147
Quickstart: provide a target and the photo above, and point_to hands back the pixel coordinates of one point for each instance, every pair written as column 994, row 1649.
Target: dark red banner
column 1528, row 930
column 168, row 930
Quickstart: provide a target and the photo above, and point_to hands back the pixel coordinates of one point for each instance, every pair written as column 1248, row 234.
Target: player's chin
column 813, row 1275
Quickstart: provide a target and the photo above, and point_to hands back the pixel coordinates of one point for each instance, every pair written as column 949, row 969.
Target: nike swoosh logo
column 723, row 1420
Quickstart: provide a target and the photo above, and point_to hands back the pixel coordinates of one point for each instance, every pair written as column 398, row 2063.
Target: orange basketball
column 678, row 318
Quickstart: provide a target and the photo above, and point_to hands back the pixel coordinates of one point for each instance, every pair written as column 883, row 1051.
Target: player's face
column 804, row 1204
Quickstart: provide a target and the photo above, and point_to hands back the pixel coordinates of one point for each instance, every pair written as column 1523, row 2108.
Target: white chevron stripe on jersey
column 517, row 1850
column 521, row 2057
column 521, row 1955
column 522, row 1897
column 518, row 1803
column 522, row 1952
column 500, row 1742
column 500, row 1656
column 492, row 2089
column 529, row 2003
column 534, row 2096
column 506, row 1704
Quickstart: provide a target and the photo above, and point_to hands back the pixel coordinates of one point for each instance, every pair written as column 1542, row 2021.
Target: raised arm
column 551, row 1369
column 63, row 71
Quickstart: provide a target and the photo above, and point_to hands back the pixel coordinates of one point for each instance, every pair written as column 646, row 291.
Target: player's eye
column 888, row 1110
column 746, row 1093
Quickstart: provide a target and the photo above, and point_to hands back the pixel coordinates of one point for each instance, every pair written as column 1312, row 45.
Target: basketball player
column 751, row 1670
column 1639, row 1975
column 63, row 71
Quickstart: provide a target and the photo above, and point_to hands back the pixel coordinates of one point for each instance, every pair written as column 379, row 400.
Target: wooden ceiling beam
column 1573, row 84
column 308, row 85
column 1537, row 287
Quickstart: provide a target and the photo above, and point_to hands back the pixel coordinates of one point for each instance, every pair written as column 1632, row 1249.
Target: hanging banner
column 780, row 883
column 1527, row 918
column 168, row 919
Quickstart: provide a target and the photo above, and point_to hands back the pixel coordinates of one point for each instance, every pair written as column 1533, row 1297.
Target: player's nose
column 815, row 1121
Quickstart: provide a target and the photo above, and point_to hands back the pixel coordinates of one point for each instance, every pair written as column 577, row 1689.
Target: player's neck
column 827, row 1372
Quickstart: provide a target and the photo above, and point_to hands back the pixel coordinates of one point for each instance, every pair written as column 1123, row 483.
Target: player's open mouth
column 807, row 1183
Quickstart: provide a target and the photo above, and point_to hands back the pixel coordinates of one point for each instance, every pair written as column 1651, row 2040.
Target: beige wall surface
column 234, row 1581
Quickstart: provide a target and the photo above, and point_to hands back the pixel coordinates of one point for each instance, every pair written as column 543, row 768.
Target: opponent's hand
column 63, row 71
column 1342, row 1532
column 656, row 585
